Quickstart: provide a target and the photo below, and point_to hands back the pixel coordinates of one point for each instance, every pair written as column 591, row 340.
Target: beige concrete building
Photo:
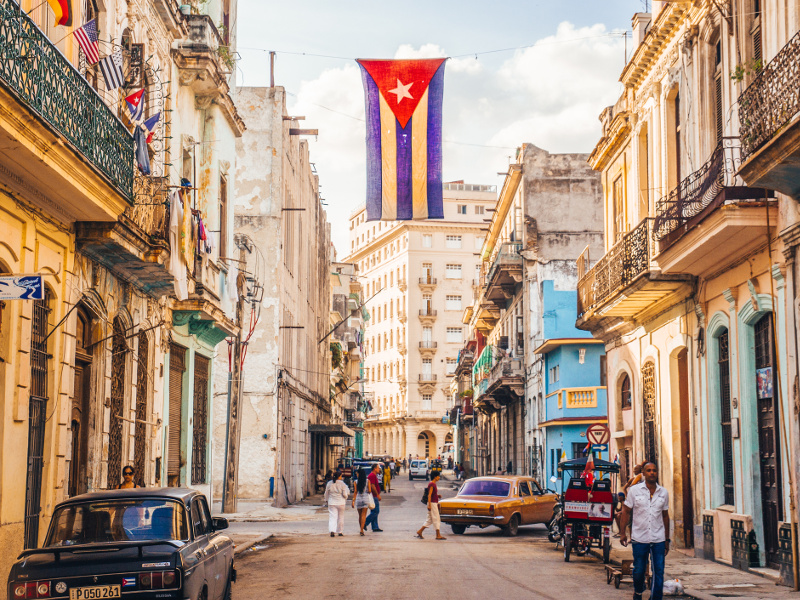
column 286, row 387
column 418, row 276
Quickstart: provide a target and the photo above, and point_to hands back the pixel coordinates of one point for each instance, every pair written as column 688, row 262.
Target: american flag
column 87, row 39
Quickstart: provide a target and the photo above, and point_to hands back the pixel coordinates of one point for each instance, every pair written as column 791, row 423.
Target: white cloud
column 550, row 94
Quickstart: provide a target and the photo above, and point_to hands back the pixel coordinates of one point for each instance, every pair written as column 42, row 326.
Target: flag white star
column 401, row 91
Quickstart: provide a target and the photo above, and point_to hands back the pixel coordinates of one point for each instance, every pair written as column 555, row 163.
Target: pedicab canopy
column 579, row 464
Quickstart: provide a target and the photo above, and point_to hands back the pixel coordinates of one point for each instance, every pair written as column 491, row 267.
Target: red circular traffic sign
column 598, row 433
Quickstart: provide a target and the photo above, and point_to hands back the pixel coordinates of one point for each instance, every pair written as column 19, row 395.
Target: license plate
column 98, row 591
column 464, row 511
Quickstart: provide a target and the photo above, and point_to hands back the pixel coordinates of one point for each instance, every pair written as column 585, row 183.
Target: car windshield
column 122, row 520
column 485, row 488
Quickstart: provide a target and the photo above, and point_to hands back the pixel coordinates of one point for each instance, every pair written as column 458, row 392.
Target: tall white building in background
column 418, row 277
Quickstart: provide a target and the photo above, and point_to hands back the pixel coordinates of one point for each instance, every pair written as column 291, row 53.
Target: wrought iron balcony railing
column 619, row 267
column 41, row 77
column 508, row 254
column 427, row 377
column 427, row 312
column 150, row 210
column 427, row 280
column 428, row 344
column 771, row 100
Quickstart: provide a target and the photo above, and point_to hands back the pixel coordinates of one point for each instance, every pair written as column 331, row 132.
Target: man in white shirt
column 648, row 503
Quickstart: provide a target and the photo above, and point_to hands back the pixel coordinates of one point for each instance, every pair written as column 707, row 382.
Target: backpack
column 425, row 495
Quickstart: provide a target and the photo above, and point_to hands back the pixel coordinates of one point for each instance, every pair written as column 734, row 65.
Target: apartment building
column 418, row 276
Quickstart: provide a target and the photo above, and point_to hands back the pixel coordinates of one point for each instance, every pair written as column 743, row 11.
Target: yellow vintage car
column 503, row 501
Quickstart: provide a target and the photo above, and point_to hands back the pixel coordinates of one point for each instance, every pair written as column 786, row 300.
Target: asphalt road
column 303, row 561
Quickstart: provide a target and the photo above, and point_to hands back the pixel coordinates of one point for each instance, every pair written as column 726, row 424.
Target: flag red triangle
column 397, row 78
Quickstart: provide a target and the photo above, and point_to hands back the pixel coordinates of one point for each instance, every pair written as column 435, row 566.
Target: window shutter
column 718, row 106
column 757, row 50
column 177, row 365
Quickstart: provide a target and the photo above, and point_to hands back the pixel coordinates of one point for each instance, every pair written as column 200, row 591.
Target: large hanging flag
column 136, row 105
column 62, row 9
column 87, row 40
column 111, row 67
column 404, row 138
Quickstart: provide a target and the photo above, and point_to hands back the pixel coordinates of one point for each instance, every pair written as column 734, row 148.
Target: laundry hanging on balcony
column 142, row 156
column 177, row 267
column 62, row 11
column 404, row 138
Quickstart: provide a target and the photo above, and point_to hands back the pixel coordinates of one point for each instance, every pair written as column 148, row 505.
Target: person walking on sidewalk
column 387, row 477
column 336, row 493
column 361, row 498
column 433, row 508
column 648, row 504
column 375, row 490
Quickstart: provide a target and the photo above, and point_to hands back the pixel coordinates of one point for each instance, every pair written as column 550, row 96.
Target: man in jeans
column 372, row 517
column 649, row 504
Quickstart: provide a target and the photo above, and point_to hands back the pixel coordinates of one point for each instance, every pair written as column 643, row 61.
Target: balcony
column 487, row 315
column 626, row 282
column 402, row 285
column 428, row 348
column 60, row 145
column 402, row 316
column 402, row 348
column 769, row 124
column 466, row 408
column 427, row 315
column 711, row 219
column 205, row 63
column 578, row 397
column 505, row 274
column 427, row 377
column 427, row 283
column 506, row 381
column 466, row 358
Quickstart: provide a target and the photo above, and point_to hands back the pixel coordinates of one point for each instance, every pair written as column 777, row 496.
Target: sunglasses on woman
column 128, row 473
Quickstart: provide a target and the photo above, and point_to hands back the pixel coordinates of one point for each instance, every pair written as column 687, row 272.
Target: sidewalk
column 708, row 580
column 265, row 512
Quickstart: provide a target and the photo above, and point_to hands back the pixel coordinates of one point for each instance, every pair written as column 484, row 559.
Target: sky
column 530, row 71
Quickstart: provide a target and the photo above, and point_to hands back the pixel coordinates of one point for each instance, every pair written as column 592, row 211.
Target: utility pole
column 233, row 434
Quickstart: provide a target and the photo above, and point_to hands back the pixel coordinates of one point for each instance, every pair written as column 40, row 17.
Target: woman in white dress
column 336, row 494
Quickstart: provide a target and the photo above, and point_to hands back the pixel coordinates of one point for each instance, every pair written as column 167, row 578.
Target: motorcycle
column 555, row 529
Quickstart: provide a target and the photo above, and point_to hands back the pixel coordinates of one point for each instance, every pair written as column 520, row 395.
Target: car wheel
column 228, row 591
column 203, row 594
column 512, row 528
column 458, row 529
column 410, row 478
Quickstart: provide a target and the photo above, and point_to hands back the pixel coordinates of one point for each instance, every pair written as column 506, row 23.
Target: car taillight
column 491, row 509
column 157, row 580
column 32, row 589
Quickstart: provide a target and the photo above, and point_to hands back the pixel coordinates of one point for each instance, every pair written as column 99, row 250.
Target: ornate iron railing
column 508, row 254
column 150, row 209
column 618, row 268
column 771, row 100
column 692, row 195
column 41, row 77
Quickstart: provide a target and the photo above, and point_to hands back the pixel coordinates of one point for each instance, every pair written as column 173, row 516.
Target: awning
column 331, row 430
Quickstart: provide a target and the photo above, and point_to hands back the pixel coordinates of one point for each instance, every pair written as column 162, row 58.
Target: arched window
column 142, row 387
column 119, row 350
column 625, row 392
column 723, row 364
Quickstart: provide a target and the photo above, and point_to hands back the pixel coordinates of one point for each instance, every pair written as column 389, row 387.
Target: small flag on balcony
column 136, row 105
column 62, row 9
column 142, row 156
column 150, row 125
column 111, row 67
column 404, row 138
column 87, row 40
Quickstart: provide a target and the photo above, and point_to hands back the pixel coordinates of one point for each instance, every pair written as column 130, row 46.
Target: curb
column 245, row 547
column 687, row 592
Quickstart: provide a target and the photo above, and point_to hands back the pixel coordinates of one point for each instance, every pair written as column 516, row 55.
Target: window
column 453, row 241
column 577, row 449
column 454, row 335
column 427, row 403
column 427, row 368
column 451, row 365
column 452, row 303
column 603, row 374
column 201, row 521
column 427, row 240
column 427, row 304
column 625, row 393
column 478, row 242
column 723, row 362
column 619, row 208
column 649, row 411
column 479, row 209
column 223, row 217
column 461, row 209
column 524, row 490
column 427, row 273
column 453, row 271
column 554, row 374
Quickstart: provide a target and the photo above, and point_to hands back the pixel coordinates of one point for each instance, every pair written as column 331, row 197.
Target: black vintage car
column 134, row 543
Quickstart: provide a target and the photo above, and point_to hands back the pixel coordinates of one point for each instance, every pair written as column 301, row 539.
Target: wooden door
column 768, row 445
column 686, row 450
column 177, row 366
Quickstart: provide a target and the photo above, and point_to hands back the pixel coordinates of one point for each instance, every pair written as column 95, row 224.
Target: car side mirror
column 219, row 523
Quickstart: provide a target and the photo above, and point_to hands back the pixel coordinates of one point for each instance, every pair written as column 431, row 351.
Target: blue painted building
column 573, row 379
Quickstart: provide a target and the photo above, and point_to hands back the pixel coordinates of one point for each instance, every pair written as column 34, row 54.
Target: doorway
column 768, row 445
column 685, row 442
column 79, row 422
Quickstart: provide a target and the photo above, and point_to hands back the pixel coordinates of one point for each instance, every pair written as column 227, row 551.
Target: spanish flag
column 404, row 138
column 62, row 9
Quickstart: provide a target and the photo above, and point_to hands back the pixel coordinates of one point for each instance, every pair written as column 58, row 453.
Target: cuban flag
column 136, row 105
column 150, row 125
column 128, row 582
column 404, row 138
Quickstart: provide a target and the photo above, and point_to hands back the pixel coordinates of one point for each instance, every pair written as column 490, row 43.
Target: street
column 302, row 561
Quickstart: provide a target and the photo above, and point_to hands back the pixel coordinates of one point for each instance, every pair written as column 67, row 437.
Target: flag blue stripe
column 405, row 193
column 374, row 155
column 435, row 97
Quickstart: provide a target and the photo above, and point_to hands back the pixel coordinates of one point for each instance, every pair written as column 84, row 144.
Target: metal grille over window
column 36, row 418
column 200, row 421
column 725, row 417
column 649, row 402
column 119, row 350
column 142, row 385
